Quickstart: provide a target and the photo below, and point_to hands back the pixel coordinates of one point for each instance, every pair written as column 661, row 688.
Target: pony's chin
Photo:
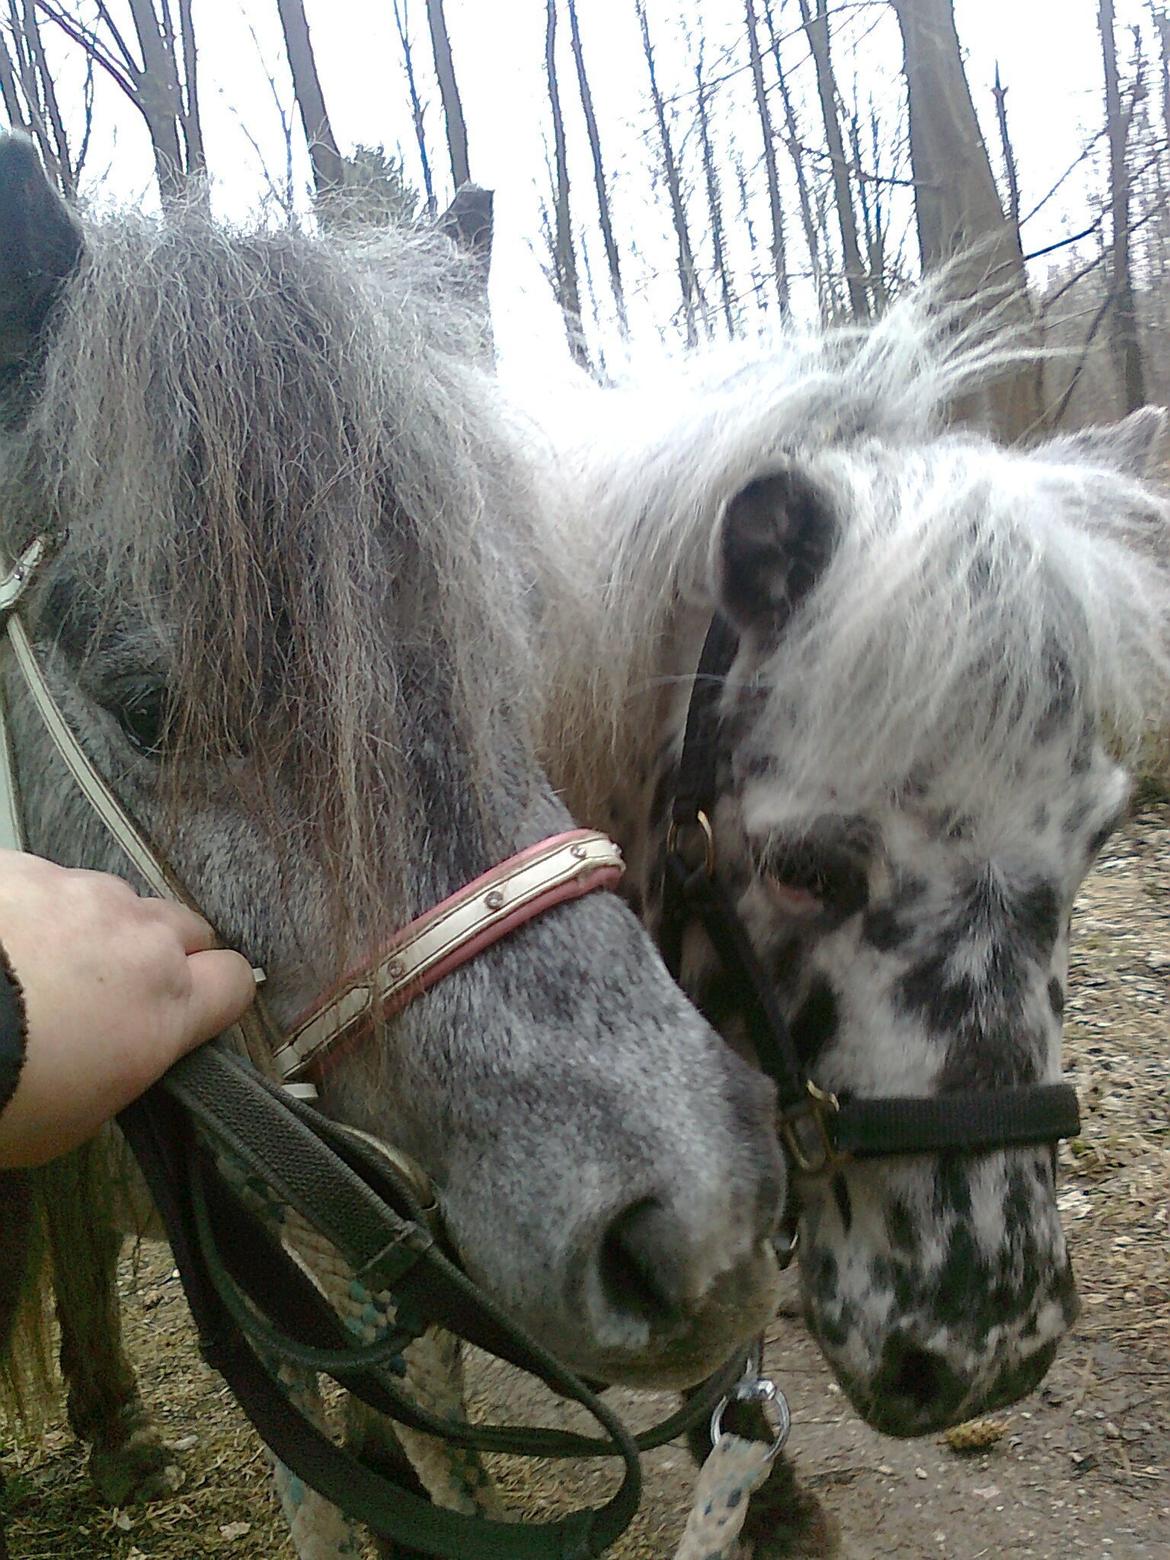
column 726, row 1325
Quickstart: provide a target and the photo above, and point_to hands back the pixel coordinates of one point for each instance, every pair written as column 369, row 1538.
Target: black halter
column 819, row 1130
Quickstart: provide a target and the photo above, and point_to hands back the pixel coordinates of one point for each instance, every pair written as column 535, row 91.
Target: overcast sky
column 1047, row 51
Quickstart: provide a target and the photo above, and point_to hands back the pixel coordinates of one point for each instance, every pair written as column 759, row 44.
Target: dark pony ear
column 467, row 222
column 40, row 246
column 777, row 537
column 1130, row 447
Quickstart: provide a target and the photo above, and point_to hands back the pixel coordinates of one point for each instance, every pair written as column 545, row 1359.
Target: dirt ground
column 1081, row 1469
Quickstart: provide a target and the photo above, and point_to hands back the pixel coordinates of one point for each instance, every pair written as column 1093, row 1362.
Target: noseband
column 820, row 1131
column 368, row 1201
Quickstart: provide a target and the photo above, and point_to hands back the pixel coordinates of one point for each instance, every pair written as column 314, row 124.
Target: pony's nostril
column 642, row 1271
column 917, row 1376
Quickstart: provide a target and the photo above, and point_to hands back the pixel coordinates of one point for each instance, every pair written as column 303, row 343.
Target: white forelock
column 965, row 579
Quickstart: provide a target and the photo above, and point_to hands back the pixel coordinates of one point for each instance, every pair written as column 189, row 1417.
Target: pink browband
column 562, row 867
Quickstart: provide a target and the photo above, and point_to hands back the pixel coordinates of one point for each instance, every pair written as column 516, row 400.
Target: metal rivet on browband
column 494, row 899
column 578, row 852
column 396, row 970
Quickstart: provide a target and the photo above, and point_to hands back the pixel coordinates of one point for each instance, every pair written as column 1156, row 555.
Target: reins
column 257, row 1310
column 820, row 1131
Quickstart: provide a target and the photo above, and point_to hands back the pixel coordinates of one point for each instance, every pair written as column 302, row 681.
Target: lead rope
column 735, row 1468
column 454, row 1477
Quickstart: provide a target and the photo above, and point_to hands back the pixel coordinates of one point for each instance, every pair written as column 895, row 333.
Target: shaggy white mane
column 970, row 585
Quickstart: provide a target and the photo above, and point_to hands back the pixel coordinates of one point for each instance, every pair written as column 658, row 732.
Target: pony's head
column 288, row 621
column 941, row 646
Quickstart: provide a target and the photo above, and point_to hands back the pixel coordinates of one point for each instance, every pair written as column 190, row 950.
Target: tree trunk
column 807, row 220
column 779, row 257
column 1124, row 335
column 999, row 92
column 745, row 217
column 328, row 168
column 57, row 156
column 564, row 257
column 160, row 101
column 611, row 249
column 1162, row 27
column 402, row 22
column 449, row 90
column 13, row 106
column 687, row 277
column 192, row 118
column 817, row 29
column 714, row 196
column 960, row 219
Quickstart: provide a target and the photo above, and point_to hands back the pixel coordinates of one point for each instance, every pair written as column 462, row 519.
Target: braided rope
column 432, row 1366
column 734, row 1469
column 318, row 1529
column 454, row 1477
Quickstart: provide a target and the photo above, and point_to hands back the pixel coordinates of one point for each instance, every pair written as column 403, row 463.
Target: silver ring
column 765, row 1392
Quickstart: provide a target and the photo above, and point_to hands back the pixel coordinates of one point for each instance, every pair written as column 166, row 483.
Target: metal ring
column 764, row 1391
column 700, row 821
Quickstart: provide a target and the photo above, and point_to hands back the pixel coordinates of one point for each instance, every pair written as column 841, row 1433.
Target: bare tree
column 749, row 227
column 564, row 256
column 30, row 94
column 714, row 193
column 816, row 27
column 449, row 91
column 611, row 250
column 192, row 119
column 960, row 218
column 402, row 23
column 160, row 80
column 328, row 167
column 999, row 92
column 779, row 257
column 687, row 275
column 792, row 141
column 1124, row 333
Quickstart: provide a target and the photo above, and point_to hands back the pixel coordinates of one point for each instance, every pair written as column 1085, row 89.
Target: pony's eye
column 791, row 899
column 143, row 710
column 804, row 878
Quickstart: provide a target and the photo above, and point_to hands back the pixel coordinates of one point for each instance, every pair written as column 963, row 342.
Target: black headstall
column 820, row 1130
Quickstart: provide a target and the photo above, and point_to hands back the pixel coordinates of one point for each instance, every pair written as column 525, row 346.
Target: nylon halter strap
column 819, row 1130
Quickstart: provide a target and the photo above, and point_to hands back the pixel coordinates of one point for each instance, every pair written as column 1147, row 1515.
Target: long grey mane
column 949, row 620
column 282, row 450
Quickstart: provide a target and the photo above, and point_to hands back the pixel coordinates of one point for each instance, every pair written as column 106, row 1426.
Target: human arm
column 109, row 988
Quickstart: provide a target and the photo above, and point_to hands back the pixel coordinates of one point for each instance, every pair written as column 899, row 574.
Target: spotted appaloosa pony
column 941, row 645
column 288, row 620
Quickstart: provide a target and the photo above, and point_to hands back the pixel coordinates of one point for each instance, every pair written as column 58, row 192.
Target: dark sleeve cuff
column 13, row 1030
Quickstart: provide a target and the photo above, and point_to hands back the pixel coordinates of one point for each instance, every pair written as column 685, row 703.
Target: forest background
column 675, row 171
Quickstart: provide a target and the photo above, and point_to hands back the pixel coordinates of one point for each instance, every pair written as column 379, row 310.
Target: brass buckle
column 703, row 823
column 822, row 1154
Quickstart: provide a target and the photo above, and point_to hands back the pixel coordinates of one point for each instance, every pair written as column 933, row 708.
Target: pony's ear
column 40, row 246
column 1130, row 447
column 467, row 222
column 776, row 538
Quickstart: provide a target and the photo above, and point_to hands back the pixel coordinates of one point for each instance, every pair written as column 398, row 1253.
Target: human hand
column 116, row 988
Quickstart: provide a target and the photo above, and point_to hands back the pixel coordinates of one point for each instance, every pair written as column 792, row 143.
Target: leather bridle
column 370, row 1202
column 820, row 1130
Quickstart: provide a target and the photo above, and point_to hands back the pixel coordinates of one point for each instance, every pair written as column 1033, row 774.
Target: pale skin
column 116, row 987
